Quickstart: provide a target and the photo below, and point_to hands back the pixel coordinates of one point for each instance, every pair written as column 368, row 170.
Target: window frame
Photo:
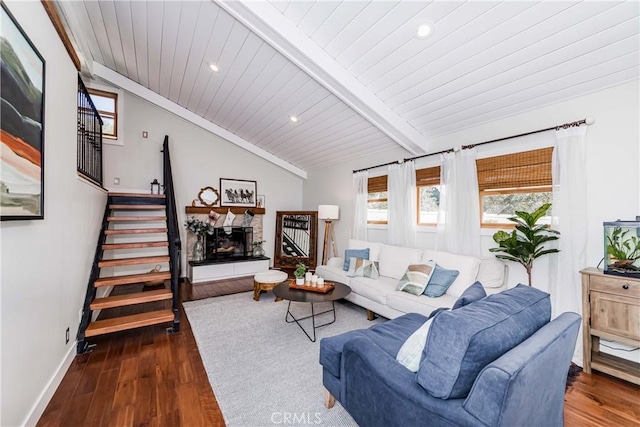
column 520, row 190
column 432, row 176
column 108, row 114
column 381, row 185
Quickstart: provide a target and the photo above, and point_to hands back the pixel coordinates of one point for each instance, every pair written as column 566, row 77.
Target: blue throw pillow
column 354, row 253
column 471, row 294
column 440, row 281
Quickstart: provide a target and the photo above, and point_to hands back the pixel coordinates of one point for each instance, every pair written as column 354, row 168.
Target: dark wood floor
column 148, row 378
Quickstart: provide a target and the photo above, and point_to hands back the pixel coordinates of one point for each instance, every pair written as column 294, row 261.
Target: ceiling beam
column 162, row 102
column 267, row 22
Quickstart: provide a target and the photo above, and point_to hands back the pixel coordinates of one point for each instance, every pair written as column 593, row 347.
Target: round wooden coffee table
column 297, row 295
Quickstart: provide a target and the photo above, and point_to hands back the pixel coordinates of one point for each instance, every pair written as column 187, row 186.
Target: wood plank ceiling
column 484, row 61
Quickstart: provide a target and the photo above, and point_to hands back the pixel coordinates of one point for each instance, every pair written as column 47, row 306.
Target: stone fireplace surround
column 202, row 213
column 212, row 270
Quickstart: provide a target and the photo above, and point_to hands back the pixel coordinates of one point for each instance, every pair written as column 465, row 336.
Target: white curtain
column 360, row 186
column 459, row 211
column 401, row 202
column 569, row 217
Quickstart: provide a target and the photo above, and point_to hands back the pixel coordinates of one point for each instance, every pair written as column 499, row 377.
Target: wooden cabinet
column 611, row 310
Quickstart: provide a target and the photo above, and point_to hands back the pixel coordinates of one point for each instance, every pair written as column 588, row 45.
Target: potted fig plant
column 299, row 272
column 526, row 242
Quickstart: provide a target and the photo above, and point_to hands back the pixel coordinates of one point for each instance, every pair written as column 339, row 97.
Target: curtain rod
column 587, row 121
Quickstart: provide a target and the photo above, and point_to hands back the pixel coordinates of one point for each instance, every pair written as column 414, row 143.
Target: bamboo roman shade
column 428, row 176
column 377, row 184
column 525, row 169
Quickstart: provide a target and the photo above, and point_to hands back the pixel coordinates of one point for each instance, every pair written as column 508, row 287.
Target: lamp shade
column 328, row 212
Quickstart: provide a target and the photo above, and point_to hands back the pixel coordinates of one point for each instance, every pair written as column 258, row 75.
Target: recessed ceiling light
column 423, row 31
column 214, row 67
column 294, row 119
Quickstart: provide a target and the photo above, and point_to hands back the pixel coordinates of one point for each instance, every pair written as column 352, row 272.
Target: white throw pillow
column 411, row 351
column 416, row 278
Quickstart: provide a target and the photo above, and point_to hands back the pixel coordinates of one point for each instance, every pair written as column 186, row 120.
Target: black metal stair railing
column 89, row 137
column 173, row 232
column 82, row 345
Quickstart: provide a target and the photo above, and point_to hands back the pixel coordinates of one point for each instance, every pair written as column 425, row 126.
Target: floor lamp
column 328, row 213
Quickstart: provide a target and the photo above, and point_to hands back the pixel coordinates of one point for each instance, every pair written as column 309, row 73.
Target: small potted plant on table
column 299, row 273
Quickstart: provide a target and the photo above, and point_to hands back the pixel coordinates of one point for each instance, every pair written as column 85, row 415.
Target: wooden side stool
column 266, row 281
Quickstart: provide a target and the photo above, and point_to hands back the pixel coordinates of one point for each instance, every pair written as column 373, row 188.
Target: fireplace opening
column 228, row 243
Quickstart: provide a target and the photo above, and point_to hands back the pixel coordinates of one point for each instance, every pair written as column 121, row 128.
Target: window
column 519, row 181
column 107, row 105
column 428, row 188
column 377, row 200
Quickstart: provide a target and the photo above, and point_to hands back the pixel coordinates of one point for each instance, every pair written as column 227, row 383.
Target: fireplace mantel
column 205, row 210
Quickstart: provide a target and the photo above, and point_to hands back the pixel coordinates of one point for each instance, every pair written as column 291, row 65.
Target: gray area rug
column 264, row 371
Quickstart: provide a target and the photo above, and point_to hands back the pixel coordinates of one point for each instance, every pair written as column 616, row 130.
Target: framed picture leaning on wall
column 238, row 193
column 22, row 125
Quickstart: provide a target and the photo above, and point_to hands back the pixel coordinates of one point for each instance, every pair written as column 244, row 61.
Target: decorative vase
column 198, row 249
column 258, row 251
column 300, row 281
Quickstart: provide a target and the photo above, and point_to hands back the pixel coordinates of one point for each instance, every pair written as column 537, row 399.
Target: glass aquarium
column 622, row 248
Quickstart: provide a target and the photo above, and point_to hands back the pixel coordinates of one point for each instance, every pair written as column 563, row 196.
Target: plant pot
column 300, row 281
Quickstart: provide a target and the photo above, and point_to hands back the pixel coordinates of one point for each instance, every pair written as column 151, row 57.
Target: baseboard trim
column 45, row 397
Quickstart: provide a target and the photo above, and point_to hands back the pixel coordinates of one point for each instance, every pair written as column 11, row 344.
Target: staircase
column 139, row 232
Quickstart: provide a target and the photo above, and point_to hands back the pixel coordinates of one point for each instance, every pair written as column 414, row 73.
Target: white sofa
column 380, row 296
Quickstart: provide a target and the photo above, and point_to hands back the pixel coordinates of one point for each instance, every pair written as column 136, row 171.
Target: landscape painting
column 22, row 125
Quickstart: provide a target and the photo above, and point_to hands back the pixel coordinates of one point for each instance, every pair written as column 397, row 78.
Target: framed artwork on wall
column 22, row 125
column 260, row 201
column 238, row 193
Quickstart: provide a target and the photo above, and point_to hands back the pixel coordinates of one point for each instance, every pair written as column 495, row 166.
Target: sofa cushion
column 466, row 265
column 463, row 341
column 416, row 278
column 363, row 268
column 440, row 281
column 388, row 335
column 492, row 273
column 411, row 351
column 394, row 260
column 407, row 303
column 374, row 248
column 332, row 273
column 354, row 253
column 375, row 290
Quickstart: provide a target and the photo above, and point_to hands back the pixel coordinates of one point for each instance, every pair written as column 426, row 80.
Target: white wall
column 612, row 162
column 46, row 264
column 198, row 159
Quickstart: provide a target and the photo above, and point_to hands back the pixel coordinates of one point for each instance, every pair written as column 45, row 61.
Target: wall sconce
column 155, row 187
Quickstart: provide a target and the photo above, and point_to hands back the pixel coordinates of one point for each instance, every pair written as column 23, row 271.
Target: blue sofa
column 497, row 361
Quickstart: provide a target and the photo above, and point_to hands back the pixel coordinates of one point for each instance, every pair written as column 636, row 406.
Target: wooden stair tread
column 135, row 245
column 133, row 261
column 135, row 231
column 116, row 324
column 136, row 218
column 136, row 207
column 132, row 278
column 130, row 299
column 150, row 196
